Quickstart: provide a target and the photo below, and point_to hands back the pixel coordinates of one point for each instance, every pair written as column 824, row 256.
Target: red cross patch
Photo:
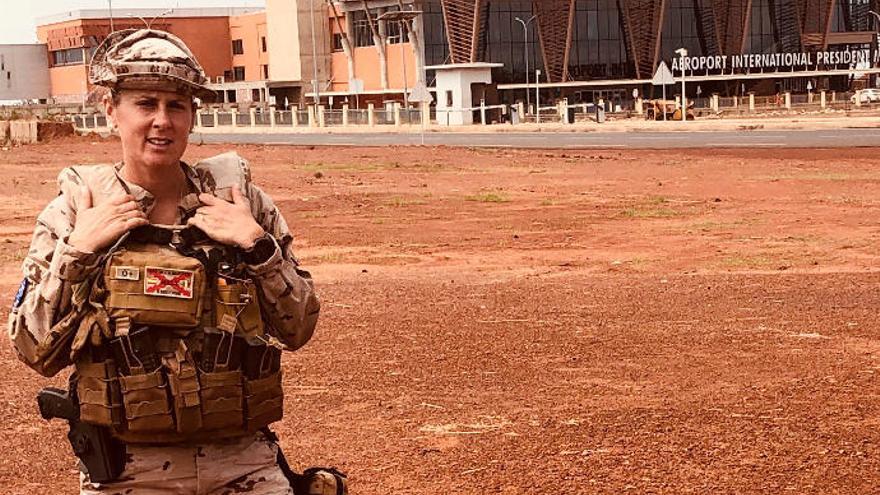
column 167, row 282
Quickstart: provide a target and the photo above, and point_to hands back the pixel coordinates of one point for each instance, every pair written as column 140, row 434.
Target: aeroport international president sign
column 777, row 61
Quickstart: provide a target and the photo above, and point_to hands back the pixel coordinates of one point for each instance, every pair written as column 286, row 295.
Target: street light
column 525, row 25
column 683, row 53
column 110, row 6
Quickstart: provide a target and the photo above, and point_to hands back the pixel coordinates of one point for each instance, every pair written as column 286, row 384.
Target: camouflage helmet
column 148, row 59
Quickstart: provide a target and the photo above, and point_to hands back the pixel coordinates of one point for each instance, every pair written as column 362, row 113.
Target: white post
column 252, row 113
column 234, row 113
column 483, row 111
column 198, row 118
column 345, row 115
column 271, row 115
column 397, row 114
column 371, row 114
column 788, row 100
column 216, row 114
column 312, row 120
column 294, row 115
column 751, row 102
column 684, row 99
column 823, row 100
column 537, row 96
column 321, row 121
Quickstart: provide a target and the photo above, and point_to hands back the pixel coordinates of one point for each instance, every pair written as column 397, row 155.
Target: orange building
column 376, row 53
column 238, row 71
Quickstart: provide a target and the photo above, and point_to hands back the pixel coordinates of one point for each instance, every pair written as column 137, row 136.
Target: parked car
column 870, row 95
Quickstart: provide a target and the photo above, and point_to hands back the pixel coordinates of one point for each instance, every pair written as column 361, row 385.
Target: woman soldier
column 174, row 348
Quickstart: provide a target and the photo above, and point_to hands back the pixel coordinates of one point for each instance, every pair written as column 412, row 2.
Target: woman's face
column 154, row 126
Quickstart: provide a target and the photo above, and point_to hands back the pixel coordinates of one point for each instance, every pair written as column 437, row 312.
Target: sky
column 18, row 23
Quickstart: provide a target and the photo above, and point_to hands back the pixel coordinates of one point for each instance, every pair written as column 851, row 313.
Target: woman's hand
column 228, row 223
column 100, row 226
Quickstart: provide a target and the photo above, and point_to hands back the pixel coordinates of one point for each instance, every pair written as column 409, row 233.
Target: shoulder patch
column 22, row 291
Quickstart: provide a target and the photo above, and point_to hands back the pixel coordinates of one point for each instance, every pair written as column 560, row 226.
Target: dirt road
column 548, row 321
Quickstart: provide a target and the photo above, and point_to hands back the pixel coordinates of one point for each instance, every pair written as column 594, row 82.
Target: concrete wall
column 290, row 40
column 458, row 81
column 24, row 72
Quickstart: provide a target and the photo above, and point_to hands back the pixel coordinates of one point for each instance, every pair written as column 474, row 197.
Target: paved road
column 831, row 138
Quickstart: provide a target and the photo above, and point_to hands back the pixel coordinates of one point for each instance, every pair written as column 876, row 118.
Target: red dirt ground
column 530, row 322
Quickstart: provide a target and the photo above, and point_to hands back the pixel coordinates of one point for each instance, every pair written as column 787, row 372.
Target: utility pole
column 683, row 53
column 315, row 89
column 110, row 5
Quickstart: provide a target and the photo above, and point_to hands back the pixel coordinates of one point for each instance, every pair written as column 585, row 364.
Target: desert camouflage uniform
column 53, row 269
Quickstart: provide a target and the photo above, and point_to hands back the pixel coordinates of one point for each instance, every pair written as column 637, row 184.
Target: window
column 238, row 73
column 337, row 42
column 363, row 36
column 263, row 43
column 237, row 47
column 266, row 71
column 227, row 75
column 71, row 56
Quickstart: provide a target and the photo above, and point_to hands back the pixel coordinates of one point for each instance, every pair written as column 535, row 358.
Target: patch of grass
column 749, row 262
column 487, row 197
column 547, row 202
column 637, row 212
column 399, row 202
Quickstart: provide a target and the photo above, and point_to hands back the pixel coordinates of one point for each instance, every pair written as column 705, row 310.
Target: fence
column 562, row 112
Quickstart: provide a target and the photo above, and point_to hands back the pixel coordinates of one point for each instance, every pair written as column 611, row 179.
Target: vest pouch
column 238, row 300
column 97, row 389
column 153, row 284
column 263, row 395
column 264, row 401
column 221, row 393
column 146, row 403
column 185, row 392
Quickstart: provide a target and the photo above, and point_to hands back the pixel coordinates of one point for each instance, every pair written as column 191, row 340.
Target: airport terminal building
column 585, row 47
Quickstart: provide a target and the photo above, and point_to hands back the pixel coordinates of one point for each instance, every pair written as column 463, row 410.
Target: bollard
column 788, row 100
column 426, row 113
column 271, row 115
column 751, row 102
column 321, row 121
column 483, row 111
column 252, row 113
column 371, row 114
column 397, row 114
column 640, row 106
column 563, row 107
column 822, row 100
column 312, row 121
column 234, row 117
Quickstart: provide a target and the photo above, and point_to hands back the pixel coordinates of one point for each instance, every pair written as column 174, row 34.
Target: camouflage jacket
column 54, row 270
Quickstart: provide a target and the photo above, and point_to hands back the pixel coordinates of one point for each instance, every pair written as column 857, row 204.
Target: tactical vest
column 172, row 346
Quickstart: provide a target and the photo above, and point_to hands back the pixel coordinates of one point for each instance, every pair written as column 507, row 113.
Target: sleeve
column 52, row 269
column 288, row 300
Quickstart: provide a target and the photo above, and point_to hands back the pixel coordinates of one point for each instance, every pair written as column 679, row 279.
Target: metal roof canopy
column 718, row 77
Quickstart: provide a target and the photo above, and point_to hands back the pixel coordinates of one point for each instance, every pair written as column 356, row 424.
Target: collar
column 146, row 200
